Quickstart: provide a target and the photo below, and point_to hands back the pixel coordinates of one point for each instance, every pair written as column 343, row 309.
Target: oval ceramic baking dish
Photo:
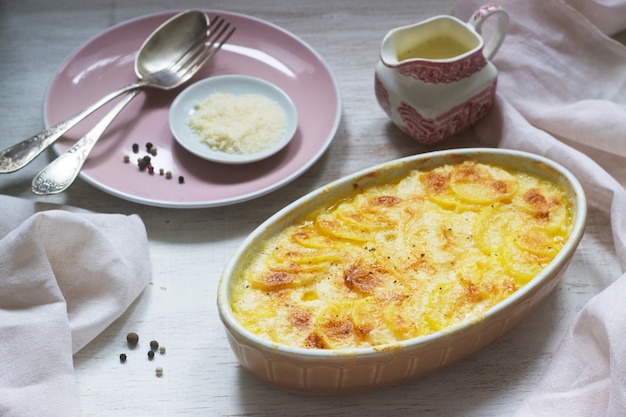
column 346, row 370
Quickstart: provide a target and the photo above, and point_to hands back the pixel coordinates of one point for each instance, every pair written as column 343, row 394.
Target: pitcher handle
column 479, row 17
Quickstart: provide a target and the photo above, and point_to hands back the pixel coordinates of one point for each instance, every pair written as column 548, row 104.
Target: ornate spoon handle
column 62, row 172
column 20, row 154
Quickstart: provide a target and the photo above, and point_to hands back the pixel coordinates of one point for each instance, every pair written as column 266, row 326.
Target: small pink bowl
column 339, row 371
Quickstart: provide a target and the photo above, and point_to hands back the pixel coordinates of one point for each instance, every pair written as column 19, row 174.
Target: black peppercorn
column 181, row 179
column 132, row 338
column 150, row 354
column 122, row 357
column 135, row 148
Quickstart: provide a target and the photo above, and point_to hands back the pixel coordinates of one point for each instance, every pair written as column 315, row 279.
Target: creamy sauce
column 438, row 47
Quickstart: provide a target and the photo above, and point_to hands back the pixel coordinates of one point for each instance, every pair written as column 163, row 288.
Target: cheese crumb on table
column 243, row 124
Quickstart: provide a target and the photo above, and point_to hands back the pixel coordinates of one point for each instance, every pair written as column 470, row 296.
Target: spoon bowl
column 158, row 62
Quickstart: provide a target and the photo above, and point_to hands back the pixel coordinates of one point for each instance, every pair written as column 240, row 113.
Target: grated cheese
column 243, row 124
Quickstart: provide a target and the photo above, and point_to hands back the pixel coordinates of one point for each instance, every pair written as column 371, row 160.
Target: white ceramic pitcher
column 435, row 78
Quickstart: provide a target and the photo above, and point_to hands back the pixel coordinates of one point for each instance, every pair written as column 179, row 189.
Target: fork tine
column 208, row 42
column 215, row 19
column 218, row 34
column 196, row 48
column 213, row 47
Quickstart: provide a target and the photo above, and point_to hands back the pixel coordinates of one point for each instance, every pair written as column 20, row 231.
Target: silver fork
column 61, row 173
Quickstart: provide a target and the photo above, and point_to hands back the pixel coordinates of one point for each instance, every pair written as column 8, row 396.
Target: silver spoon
column 61, row 173
column 165, row 61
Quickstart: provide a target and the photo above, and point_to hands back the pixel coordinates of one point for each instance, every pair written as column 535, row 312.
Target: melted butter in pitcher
column 437, row 47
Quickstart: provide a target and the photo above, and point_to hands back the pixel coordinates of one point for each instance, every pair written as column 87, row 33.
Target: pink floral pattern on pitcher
column 485, row 10
column 430, row 131
column 382, row 96
column 437, row 72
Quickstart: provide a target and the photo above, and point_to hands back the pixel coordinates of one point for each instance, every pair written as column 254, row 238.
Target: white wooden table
column 189, row 247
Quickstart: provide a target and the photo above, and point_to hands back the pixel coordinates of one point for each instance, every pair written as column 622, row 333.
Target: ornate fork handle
column 62, row 172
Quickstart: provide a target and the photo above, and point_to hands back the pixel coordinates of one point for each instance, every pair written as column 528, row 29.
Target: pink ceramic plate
column 257, row 48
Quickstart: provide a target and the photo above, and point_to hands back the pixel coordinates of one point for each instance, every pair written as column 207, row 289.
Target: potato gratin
column 406, row 259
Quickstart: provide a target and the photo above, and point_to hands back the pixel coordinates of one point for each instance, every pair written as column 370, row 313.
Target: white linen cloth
column 562, row 94
column 65, row 275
